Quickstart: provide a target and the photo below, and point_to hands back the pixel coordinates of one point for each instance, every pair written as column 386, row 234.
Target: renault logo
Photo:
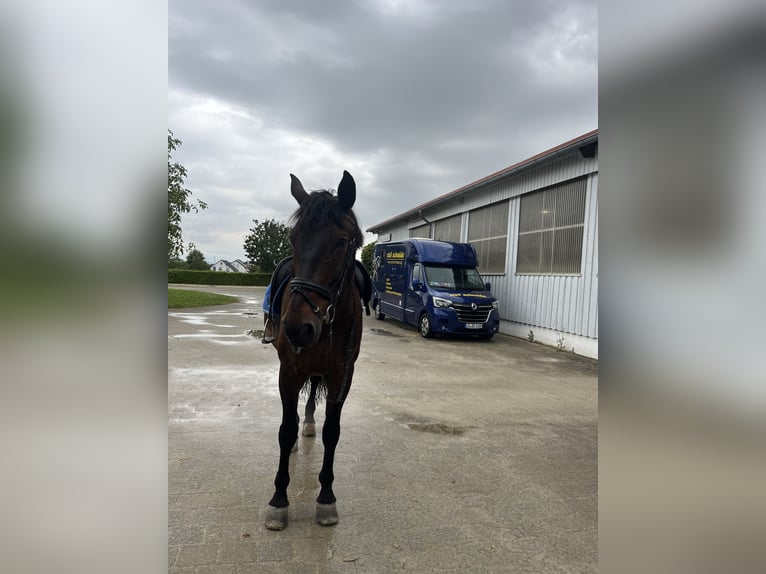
column 473, row 307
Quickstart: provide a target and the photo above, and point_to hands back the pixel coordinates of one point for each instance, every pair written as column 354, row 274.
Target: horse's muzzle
column 300, row 335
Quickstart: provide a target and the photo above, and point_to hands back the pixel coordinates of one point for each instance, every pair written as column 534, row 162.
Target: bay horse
column 318, row 330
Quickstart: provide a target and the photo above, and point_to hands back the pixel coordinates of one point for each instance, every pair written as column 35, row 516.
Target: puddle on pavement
column 436, row 428
column 430, row 426
column 376, row 331
column 204, row 319
column 215, row 338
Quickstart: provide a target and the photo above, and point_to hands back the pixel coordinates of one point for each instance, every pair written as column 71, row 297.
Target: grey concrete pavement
column 455, row 455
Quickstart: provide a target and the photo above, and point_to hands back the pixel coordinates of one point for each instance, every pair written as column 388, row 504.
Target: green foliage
column 195, row 260
column 180, row 298
column 177, row 263
column 267, row 244
column 193, row 277
column 178, row 200
column 367, row 253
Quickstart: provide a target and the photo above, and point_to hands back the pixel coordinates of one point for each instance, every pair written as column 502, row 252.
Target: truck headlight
column 439, row 302
column 495, row 304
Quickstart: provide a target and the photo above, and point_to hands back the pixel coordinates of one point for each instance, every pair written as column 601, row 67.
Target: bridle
column 331, row 293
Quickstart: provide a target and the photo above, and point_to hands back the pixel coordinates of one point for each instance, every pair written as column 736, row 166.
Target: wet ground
column 459, row 456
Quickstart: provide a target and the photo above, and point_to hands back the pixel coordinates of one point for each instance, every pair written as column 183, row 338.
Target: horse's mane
column 319, row 207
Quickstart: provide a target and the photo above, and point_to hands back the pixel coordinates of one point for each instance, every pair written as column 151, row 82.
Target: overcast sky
column 414, row 98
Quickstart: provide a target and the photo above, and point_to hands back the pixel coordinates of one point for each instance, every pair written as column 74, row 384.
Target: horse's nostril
column 300, row 335
column 307, row 332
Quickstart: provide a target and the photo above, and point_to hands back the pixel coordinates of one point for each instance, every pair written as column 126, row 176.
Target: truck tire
column 424, row 326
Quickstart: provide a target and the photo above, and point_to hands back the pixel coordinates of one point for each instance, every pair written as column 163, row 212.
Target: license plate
column 473, row 325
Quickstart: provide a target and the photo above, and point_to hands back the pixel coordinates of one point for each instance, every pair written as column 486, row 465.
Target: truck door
column 415, row 299
column 392, row 280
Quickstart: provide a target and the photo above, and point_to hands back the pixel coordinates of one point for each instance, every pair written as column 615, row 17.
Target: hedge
column 217, row 277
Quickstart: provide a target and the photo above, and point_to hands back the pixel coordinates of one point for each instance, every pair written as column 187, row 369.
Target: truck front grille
column 467, row 315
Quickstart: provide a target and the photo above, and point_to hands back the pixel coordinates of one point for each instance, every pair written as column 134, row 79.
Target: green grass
column 180, row 298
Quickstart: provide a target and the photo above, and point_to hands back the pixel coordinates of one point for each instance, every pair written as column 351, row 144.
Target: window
column 463, row 278
column 448, row 229
column 551, row 229
column 416, row 274
column 488, row 233
column 421, row 231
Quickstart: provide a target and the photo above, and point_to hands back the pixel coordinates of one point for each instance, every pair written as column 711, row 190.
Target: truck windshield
column 462, row 278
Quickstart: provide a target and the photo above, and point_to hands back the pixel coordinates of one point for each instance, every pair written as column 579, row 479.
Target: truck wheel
column 425, row 326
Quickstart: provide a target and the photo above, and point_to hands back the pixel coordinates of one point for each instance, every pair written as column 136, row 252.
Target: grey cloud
column 465, row 89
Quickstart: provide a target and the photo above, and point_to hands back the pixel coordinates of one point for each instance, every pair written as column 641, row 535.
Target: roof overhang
column 586, row 144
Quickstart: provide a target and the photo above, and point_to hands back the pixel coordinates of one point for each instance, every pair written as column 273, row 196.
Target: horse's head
column 324, row 237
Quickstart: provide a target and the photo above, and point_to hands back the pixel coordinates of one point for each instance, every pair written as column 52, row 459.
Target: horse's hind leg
column 276, row 516
column 309, row 424
column 297, row 422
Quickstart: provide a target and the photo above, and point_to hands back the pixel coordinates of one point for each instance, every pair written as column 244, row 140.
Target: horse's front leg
column 276, row 516
column 326, row 511
column 309, row 424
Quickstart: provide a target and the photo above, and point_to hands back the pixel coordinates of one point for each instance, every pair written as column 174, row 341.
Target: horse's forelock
column 317, row 209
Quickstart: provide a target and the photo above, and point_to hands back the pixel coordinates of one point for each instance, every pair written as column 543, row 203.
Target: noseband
column 301, row 286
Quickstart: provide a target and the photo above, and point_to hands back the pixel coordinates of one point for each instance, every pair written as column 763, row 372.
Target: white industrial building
column 535, row 229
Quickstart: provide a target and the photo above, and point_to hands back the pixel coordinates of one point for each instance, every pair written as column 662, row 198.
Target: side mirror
column 488, row 286
column 416, row 285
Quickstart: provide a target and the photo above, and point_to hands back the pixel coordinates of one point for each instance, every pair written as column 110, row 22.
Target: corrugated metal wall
column 568, row 304
column 397, row 232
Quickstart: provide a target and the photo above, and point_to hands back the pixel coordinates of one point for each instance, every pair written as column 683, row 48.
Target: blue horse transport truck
column 434, row 285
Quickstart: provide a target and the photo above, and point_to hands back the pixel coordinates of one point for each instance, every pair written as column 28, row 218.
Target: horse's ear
column 296, row 188
column 346, row 191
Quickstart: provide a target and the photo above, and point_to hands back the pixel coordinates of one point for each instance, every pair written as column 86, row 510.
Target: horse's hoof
column 295, row 447
column 327, row 514
column 309, row 429
column 276, row 518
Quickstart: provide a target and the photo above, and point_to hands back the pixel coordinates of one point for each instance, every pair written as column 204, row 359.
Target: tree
column 267, row 244
column 177, row 263
column 195, row 260
column 367, row 253
column 179, row 201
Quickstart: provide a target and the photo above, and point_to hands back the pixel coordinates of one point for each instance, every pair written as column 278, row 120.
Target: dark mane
column 317, row 209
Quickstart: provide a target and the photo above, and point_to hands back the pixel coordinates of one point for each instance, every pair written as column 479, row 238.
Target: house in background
column 535, row 229
column 236, row 266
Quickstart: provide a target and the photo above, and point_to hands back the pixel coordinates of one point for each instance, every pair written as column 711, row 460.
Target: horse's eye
column 341, row 243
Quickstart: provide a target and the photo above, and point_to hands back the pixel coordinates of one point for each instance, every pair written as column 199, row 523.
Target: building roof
column 583, row 141
column 226, row 263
